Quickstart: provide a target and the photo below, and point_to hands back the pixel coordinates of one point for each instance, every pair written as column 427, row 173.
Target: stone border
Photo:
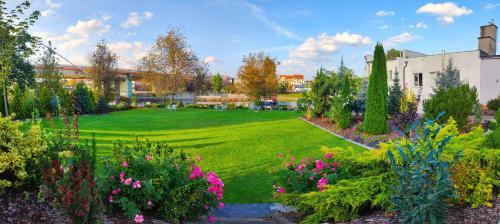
column 339, row 136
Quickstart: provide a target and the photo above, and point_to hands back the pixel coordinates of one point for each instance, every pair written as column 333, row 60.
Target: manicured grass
column 239, row 145
column 289, row 97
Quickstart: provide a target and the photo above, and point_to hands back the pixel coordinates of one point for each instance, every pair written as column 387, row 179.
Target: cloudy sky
column 302, row 35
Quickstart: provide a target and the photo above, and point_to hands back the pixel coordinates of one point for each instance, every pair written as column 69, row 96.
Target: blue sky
column 302, row 35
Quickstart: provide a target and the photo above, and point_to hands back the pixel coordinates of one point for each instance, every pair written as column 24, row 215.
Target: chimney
column 488, row 39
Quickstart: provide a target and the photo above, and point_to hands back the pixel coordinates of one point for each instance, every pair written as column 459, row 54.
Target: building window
column 418, row 79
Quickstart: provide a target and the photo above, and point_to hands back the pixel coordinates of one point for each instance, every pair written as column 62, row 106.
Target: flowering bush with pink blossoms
column 307, row 174
column 153, row 180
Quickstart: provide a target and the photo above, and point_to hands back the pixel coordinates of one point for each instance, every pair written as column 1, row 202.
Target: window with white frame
column 418, row 79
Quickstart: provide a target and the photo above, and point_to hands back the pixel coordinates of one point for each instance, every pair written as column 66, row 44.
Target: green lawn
column 240, row 146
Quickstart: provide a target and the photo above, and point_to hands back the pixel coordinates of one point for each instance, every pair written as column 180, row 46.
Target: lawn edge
column 339, row 136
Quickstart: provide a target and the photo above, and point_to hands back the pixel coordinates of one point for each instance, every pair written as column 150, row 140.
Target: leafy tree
column 17, row 46
column 393, row 54
column 375, row 121
column 217, row 83
column 258, row 75
column 103, row 63
column 200, row 81
column 169, row 64
column 448, row 78
column 322, row 89
column 49, row 71
column 457, row 102
column 395, row 94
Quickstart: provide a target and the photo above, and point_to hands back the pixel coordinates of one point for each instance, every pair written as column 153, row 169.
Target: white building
column 480, row 68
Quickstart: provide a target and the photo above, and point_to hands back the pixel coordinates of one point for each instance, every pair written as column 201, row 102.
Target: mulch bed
column 23, row 207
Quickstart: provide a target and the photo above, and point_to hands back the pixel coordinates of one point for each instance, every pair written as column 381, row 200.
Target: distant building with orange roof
column 293, row 79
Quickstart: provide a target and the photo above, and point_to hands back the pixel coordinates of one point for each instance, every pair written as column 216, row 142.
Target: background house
column 480, row 68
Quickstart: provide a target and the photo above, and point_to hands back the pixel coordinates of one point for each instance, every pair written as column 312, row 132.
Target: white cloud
column 383, row 27
column 317, row 51
column 106, row 17
column 420, row 25
column 89, row 27
column 53, row 5
column 135, row 19
column 259, row 14
column 48, row 12
column 385, row 13
column 401, row 38
column 148, row 15
column 491, row 6
column 209, row 59
column 129, row 53
column 446, row 11
column 129, row 34
column 236, row 39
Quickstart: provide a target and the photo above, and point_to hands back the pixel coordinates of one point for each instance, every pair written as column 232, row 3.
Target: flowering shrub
column 306, row 175
column 153, row 179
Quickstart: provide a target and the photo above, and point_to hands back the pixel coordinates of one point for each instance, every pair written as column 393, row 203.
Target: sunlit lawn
column 239, row 145
column 289, row 97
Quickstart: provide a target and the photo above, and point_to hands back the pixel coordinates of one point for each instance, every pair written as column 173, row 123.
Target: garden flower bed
column 355, row 132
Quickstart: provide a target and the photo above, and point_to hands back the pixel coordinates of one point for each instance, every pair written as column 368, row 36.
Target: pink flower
column 138, row 218
column 334, row 164
column 320, row 165
column 196, row 173
column 301, row 166
column 110, row 199
column 150, row 203
column 221, row 205
column 122, row 174
column 128, row 181
column 115, row 191
column 328, row 156
column 280, row 155
column 322, row 183
column 148, row 157
column 125, row 164
column 292, row 158
column 333, row 169
column 211, row 219
column 112, row 177
column 137, row 184
column 206, row 207
column 311, row 178
column 280, row 190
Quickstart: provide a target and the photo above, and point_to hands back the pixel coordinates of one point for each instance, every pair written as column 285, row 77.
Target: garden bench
column 172, row 107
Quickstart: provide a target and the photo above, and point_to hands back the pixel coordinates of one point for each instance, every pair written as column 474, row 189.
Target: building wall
column 490, row 79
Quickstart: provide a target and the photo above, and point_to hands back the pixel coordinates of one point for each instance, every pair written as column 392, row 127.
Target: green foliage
column 449, row 77
column 359, row 103
column 493, row 138
column 341, row 104
column 102, row 105
column 83, row 99
column 424, row 185
column 375, row 121
column 344, row 200
column 321, row 90
column 494, row 104
column 392, row 54
column 395, row 95
column 217, row 83
column 457, row 102
column 20, row 154
column 151, row 178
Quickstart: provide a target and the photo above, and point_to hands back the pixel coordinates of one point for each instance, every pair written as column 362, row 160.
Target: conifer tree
column 320, row 92
column 395, row 94
column 375, row 121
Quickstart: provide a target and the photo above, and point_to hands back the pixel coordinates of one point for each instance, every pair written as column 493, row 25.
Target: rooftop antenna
column 492, row 22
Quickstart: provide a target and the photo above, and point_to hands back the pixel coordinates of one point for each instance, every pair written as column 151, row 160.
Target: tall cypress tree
column 376, row 104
